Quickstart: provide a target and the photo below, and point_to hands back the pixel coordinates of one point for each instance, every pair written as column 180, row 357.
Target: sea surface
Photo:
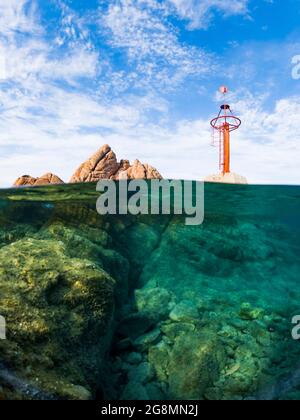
column 146, row 307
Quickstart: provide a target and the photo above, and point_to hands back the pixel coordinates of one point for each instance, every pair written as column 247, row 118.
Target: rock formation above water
column 104, row 165
column 46, row 179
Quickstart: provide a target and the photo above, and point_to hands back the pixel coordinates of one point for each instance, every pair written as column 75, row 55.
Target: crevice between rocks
column 126, row 351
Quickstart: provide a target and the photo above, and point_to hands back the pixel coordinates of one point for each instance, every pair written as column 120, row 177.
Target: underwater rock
column 9, row 234
column 135, row 325
column 241, row 378
column 143, row 342
column 174, row 329
column 134, row 391
column 123, row 345
column 104, row 165
column 194, row 264
column 80, row 393
column 159, row 358
column 156, row 302
column 213, row 394
column 142, row 373
column 116, row 365
column 228, row 332
column 129, row 241
column 154, row 392
column 248, row 313
column 205, row 259
column 93, row 244
column 14, row 387
column 59, row 311
column 47, row 179
column 186, row 310
column 77, row 215
column 133, row 358
column 195, row 363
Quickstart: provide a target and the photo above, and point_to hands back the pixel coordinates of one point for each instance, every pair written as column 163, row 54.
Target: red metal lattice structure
column 223, row 125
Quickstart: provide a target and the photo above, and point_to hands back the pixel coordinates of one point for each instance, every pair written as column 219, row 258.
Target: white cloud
column 33, row 59
column 26, row 55
column 68, row 127
column 140, row 28
column 72, row 28
column 13, row 17
column 200, row 13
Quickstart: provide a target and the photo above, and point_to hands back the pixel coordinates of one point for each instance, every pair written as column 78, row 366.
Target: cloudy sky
column 142, row 75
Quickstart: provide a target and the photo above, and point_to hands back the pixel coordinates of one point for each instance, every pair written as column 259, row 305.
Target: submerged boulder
column 195, row 363
column 159, row 358
column 184, row 311
column 157, row 302
column 142, row 373
column 59, row 313
column 134, row 391
column 189, row 363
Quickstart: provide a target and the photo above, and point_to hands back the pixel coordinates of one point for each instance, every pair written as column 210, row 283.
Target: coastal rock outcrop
column 101, row 165
column 104, row 165
column 139, row 171
column 47, row 179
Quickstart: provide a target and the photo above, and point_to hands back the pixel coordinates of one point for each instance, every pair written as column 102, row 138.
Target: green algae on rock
column 59, row 311
column 195, row 363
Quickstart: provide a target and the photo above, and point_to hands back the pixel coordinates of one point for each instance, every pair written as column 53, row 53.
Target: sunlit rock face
column 104, row 165
column 101, row 165
column 47, row 179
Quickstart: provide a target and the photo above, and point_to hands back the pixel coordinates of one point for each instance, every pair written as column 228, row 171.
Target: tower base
column 228, row 178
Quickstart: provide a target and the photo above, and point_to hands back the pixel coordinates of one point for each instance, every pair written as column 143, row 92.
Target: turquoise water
column 145, row 307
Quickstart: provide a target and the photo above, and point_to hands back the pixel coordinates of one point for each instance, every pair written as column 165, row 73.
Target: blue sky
column 143, row 75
